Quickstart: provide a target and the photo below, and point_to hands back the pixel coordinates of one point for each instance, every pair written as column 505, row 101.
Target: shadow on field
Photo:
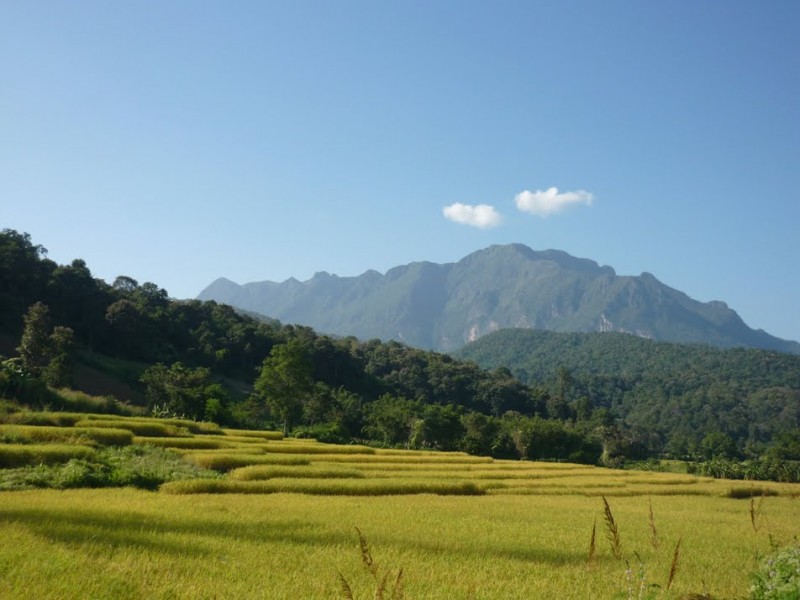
column 197, row 536
column 153, row 533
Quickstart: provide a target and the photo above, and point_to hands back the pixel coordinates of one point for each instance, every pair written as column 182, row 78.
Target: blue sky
column 180, row 141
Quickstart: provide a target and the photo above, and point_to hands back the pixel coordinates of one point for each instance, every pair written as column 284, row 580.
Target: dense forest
column 675, row 395
column 617, row 397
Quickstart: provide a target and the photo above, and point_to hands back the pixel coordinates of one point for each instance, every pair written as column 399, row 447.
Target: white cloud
column 482, row 215
column 550, row 201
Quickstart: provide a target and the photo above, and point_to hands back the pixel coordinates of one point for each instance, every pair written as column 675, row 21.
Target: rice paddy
column 280, row 523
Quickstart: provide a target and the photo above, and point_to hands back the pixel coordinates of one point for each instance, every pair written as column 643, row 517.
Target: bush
column 778, row 576
column 135, row 466
column 328, row 433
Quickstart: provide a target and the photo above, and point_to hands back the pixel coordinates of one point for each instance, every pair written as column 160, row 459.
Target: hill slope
column 443, row 306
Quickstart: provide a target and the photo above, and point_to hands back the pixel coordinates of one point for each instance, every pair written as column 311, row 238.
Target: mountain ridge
column 443, row 306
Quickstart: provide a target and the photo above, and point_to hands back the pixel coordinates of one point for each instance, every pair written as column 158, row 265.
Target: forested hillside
column 677, row 393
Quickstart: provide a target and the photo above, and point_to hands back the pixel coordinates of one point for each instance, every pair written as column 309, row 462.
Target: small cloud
column 550, row 201
column 482, row 215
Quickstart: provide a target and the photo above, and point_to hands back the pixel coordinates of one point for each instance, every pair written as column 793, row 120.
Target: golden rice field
column 282, row 524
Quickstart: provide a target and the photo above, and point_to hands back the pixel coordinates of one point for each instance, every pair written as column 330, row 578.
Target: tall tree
column 59, row 370
column 285, row 382
column 34, row 348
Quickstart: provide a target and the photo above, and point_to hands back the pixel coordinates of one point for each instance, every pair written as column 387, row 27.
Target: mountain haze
column 444, row 306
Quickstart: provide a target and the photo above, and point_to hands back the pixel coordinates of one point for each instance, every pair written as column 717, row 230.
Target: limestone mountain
column 444, row 306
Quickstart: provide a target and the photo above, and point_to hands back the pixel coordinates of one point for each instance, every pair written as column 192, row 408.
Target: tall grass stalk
column 612, row 531
column 653, row 531
column 673, row 567
column 592, row 543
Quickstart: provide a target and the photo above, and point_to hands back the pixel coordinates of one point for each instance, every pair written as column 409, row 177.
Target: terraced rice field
column 281, row 523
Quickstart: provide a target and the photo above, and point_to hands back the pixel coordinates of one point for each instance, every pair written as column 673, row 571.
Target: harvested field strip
column 137, row 427
column 281, row 447
column 261, row 472
column 191, row 426
column 195, row 443
column 44, row 418
column 401, row 452
column 266, row 435
column 377, row 458
column 226, row 462
column 47, row 433
column 19, row 455
column 246, row 440
column 327, row 487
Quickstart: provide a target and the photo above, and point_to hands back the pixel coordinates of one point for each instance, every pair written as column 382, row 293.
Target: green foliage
column 679, row 393
column 135, row 466
column 34, row 347
column 180, row 390
column 59, row 370
column 778, row 576
column 787, row 471
column 285, row 382
column 328, row 433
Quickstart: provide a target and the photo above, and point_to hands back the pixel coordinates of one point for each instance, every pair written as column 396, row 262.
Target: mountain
column 444, row 306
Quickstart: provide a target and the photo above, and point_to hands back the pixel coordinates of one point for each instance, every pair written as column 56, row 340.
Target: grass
column 323, row 487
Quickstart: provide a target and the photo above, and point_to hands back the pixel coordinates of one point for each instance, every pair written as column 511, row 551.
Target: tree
column 34, row 348
column 59, row 370
column 285, row 382
column 180, row 390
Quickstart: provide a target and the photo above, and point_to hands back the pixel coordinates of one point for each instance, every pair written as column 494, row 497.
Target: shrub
column 329, row 433
column 137, row 466
column 778, row 576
